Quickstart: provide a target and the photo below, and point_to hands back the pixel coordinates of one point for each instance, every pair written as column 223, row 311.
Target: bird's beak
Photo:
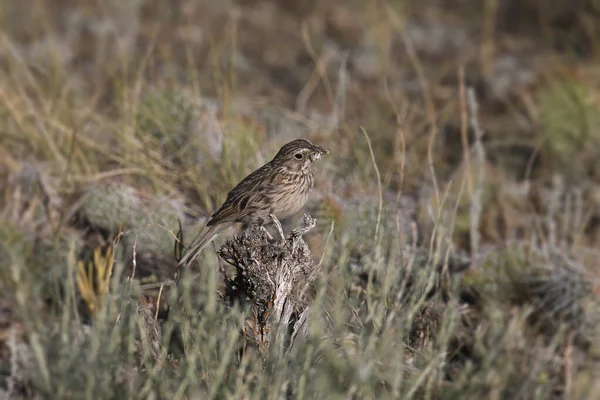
column 316, row 155
column 323, row 151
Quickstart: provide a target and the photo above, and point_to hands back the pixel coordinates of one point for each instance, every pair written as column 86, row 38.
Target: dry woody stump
column 275, row 278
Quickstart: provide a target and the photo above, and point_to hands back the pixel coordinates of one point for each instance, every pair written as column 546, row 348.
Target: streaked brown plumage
column 278, row 188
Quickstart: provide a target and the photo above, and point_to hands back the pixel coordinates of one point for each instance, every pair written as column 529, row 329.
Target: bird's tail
column 199, row 244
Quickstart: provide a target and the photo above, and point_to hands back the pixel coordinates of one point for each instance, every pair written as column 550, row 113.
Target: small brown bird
column 275, row 191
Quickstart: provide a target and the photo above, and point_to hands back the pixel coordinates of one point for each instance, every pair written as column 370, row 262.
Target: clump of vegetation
column 569, row 116
column 93, row 281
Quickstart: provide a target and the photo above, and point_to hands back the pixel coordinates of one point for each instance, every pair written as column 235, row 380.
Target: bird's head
column 298, row 155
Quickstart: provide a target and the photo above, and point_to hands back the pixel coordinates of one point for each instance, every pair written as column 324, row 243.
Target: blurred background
column 122, row 76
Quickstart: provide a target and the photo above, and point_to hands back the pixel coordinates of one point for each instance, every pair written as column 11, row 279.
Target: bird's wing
column 235, row 206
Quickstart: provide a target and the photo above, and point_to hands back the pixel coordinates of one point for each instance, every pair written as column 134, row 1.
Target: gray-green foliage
column 150, row 225
column 110, row 207
column 570, row 119
column 154, row 228
column 394, row 328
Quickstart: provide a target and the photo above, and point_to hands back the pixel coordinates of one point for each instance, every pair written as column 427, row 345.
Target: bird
column 277, row 190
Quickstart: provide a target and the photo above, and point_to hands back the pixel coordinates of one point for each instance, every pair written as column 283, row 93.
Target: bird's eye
column 298, row 156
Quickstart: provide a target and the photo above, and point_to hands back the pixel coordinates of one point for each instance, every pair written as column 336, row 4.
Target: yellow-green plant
column 93, row 292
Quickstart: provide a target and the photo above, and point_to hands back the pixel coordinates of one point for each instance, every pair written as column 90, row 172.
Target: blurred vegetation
column 459, row 258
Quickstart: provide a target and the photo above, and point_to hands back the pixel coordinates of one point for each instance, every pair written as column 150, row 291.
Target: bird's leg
column 266, row 231
column 278, row 226
column 260, row 222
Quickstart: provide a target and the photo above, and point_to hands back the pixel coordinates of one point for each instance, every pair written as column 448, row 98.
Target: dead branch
column 276, row 278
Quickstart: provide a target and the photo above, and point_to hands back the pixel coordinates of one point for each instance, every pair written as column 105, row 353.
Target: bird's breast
column 292, row 194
